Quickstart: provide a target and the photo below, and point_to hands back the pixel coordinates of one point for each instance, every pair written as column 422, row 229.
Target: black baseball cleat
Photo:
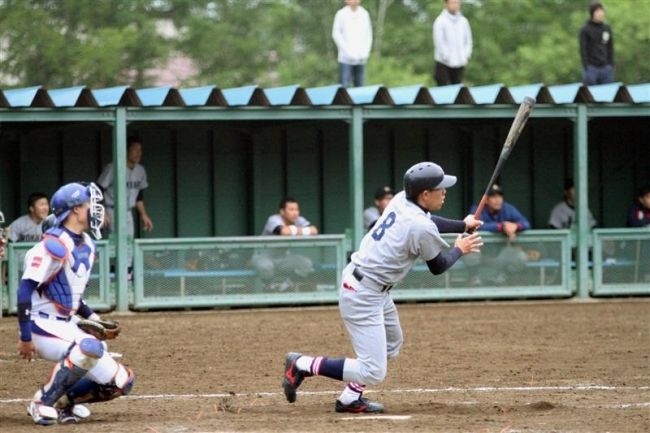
column 362, row 405
column 292, row 376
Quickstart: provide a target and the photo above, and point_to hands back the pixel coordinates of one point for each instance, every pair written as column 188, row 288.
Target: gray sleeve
column 145, row 183
column 592, row 220
column 302, row 222
column 427, row 242
column 370, row 216
column 271, row 224
column 13, row 230
column 105, row 180
column 556, row 219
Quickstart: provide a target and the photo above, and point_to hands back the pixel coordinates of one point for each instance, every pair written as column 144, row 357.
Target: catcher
column 50, row 304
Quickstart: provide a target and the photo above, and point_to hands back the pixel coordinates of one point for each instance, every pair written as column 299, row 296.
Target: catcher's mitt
column 100, row 329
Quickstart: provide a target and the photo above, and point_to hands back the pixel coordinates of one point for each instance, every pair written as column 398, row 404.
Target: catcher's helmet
column 75, row 194
column 425, row 175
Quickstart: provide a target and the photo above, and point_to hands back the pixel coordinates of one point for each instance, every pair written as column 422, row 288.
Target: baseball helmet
column 425, row 175
column 75, row 194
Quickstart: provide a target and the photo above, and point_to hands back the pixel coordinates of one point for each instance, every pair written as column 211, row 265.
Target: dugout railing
column 237, row 271
column 621, row 262
column 258, row 271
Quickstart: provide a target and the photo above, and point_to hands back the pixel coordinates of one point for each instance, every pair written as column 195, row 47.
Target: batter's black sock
column 332, row 368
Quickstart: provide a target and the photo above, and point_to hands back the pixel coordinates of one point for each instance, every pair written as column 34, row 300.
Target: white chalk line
column 451, row 389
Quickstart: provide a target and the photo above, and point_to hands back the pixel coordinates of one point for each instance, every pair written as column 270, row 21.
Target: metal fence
column 239, row 271
column 621, row 262
column 536, row 264
column 98, row 294
column 271, row 270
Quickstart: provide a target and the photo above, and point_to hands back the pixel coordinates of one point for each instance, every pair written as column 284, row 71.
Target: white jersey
column 402, row 234
column 62, row 270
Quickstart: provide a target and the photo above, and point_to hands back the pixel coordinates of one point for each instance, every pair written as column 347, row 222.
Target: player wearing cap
column 404, row 233
column 500, row 216
column 383, row 196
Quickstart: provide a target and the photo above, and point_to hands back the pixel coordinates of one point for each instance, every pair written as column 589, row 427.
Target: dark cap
column 496, row 189
column 383, row 192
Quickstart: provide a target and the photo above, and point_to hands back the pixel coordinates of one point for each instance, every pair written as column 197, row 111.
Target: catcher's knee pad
column 86, row 353
column 124, row 380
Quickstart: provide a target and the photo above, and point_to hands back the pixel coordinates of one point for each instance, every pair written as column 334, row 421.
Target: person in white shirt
column 352, row 33
column 452, row 38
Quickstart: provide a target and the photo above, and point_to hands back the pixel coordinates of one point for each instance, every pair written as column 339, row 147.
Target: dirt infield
column 493, row 367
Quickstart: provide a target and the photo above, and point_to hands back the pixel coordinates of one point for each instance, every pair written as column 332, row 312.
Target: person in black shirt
column 597, row 48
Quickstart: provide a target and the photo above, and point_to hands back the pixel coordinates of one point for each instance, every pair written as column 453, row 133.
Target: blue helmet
column 75, row 194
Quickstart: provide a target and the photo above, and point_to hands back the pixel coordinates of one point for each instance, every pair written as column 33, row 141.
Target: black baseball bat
column 515, row 131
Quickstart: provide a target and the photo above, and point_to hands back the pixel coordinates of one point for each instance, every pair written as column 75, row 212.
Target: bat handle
column 479, row 208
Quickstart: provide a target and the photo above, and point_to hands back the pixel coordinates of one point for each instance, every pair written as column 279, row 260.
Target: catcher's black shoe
column 292, row 376
column 362, row 405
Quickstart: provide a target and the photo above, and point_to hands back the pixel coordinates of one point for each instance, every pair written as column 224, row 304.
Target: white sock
column 304, row 363
column 352, row 392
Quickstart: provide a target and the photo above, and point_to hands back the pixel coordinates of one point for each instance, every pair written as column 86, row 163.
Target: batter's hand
column 469, row 244
column 472, row 224
column 26, row 350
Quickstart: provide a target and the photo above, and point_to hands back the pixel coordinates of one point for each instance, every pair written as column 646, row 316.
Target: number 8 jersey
column 403, row 233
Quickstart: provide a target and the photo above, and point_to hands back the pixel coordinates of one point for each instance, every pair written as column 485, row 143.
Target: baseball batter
column 56, row 273
column 404, row 232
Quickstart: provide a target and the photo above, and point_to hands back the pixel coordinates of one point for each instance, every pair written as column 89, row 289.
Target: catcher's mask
column 75, row 194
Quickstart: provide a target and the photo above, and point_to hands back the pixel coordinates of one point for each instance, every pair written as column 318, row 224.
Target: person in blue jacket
column 499, row 216
column 499, row 265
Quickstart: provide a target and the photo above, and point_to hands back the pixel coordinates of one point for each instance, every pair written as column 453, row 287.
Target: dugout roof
column 295, row 95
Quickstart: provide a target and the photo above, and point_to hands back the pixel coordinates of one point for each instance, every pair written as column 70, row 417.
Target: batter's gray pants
column 373, row 324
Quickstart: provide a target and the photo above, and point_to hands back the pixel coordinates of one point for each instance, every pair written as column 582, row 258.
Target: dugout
column 220, row 160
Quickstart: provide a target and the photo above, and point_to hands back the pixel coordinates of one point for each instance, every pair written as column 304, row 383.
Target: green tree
column 65, row 42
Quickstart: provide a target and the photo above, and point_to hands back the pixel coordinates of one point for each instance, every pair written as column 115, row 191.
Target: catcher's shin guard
column 87, row 391
column 64, row 376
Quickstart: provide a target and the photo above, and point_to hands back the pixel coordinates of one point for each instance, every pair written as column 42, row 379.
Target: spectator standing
column 352, row 33
column 452, row 39
column 500, row 216
column 597, row 48
column 563, row 214
column 136, row 183
column 383, row 196
column 28, row 227
column 639, row 213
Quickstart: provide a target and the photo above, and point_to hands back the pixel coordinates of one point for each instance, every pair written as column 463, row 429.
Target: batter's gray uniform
column 24, row 229
column 270, row 261
column 387, row 253
column 136, row 181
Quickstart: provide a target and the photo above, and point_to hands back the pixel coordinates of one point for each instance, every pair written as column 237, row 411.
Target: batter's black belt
column 356, row 273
